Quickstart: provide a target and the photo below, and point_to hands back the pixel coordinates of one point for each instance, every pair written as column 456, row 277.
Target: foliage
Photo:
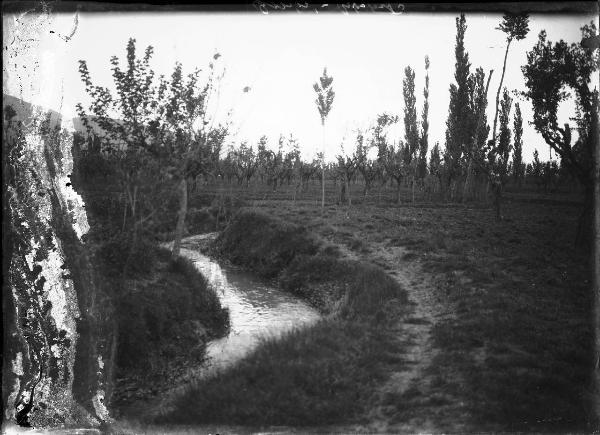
column 424, row 138
column 459, row 125
column 516, row 26
column 498, row 156
column 552, row 69
column 325, row 95
column 435, row 160
column 517, row 162
column 255, row 241
column 411, row 132
column 131, row 129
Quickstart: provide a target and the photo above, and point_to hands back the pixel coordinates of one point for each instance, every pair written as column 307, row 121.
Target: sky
column 280, row 56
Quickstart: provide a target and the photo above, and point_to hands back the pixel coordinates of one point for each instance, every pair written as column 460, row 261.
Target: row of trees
column 171, row 139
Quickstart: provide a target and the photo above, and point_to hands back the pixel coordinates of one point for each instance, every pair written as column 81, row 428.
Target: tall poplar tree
column 518, row 145
column 458, row 125
column 324, row 102
column 411, row 132
column 424, row 139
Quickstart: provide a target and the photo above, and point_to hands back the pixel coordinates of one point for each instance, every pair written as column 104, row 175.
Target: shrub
column 118, row 252
column 177, row 306
column 263, row 244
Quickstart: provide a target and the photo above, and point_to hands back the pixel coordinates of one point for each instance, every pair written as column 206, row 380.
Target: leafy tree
column 346, row 167
column 516, row 27
column 552, row 70
column 435, row 162
column 157, row 131
column 395, row 166
column 550, row 176
column 497, row 154
column 424, row 139
column 367, row 167
column 324, row 102
column 536, row 168
column 380, row 141
column 517, row 165
column 306, row 170
column 194, row 137
column 262, row 156
column 246, row 163
column 460, row 117
column 132, row 129
column 478, row 105
column 411, row 132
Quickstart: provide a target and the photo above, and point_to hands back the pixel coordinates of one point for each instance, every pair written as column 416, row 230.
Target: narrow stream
column 255, row 308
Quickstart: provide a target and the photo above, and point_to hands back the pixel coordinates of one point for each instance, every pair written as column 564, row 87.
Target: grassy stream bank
column 323, row 374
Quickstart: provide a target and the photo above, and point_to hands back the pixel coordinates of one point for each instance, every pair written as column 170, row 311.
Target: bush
column 176, row 307
column 201, row 221
column 263, row 244
column 118, row 253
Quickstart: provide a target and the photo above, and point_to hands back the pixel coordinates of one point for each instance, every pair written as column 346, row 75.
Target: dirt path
column 414, row 329
column 417, row 328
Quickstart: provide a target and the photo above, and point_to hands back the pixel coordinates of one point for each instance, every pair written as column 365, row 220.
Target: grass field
column 500, row 325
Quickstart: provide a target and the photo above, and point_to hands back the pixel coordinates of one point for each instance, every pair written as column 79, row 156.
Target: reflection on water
column 255, row 309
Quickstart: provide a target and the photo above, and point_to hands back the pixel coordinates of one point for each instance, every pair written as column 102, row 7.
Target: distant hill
column 25, row 111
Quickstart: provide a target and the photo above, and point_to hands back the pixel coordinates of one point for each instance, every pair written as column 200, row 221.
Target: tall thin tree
column 518, row 145
column 460, row 117
column 516, row 27
column 478, row 99
column 424, row 139
column 411, row 132
column 324, row 102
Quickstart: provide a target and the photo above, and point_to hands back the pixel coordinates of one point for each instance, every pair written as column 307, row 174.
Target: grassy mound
column 165, row 317
column 323, row 374
column 277, row 249
column 170, row 311
column 262, row 244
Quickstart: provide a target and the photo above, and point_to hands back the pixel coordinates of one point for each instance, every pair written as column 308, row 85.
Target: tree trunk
column 348, row 192
column 323, row 169
column 180, row 218
column 585, row 226
column 595, row 194
column 497, row 189
column 398, row 185
column 125, row 205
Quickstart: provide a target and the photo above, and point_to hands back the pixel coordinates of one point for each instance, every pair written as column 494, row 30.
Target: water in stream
column 256, row 309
